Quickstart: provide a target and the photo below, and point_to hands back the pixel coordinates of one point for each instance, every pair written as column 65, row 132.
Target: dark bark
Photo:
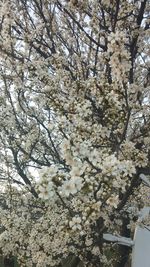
column 124, row 250
column 9, row 262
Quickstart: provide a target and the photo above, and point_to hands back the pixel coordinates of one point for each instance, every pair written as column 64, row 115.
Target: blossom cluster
column 74, row 127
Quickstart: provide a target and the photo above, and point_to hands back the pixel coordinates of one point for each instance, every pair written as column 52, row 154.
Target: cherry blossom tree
column 74, row 120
